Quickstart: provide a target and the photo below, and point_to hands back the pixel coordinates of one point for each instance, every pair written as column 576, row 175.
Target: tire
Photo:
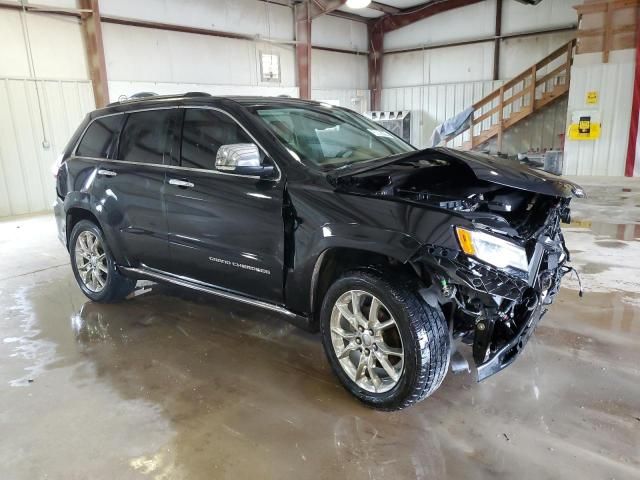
column 422, row 331
column 106, row 284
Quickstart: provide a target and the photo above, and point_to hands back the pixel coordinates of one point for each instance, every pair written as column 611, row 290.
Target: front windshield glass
column 329, row 138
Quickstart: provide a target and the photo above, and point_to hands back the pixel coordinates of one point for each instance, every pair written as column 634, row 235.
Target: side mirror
column 241, row 159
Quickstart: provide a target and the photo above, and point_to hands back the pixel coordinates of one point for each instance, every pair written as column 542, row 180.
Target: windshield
column 329, row 138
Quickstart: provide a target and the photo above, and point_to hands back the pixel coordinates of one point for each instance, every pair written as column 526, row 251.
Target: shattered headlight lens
column 488, row 248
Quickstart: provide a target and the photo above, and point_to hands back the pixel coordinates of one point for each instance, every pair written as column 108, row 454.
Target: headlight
column 491, row 249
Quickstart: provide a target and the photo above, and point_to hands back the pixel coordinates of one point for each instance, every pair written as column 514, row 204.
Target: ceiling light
column 358, row 3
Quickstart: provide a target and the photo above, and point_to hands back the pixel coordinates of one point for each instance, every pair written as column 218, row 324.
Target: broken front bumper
column 508, row 297
column 509, row 352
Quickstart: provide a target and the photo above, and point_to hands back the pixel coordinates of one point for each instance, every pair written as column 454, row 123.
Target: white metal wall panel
column 150, row 55
column 431, row 105
column 26, row 183
column 461, row 64
column 518, row 54
column 357, row 100
column 266, row 19
column 543, row 130
column 518, row 17
column 333, row 70
column 614, row 83
column 477, row 21
column 465, row 23
column 56, row 46
column 329, row 31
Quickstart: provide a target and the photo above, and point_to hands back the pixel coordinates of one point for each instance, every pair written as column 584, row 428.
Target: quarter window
column 101, row 138
column 204, row 132
column 145, row 137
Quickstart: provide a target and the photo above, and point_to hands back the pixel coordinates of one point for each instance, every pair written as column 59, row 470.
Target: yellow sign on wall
column 585, row 129
column 585, row 125
column 592, row 97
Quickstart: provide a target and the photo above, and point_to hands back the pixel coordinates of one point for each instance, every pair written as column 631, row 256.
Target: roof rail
column 140, row 95
column 135, row 96
column 146, row 95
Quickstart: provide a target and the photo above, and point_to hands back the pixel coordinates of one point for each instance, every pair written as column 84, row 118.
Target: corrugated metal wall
column 357, row 100
column 544, row 130
column 431, row 105
column 614, row 83
column 26, row 182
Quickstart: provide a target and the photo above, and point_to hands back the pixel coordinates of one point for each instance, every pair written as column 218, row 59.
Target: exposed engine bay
column 492, row 308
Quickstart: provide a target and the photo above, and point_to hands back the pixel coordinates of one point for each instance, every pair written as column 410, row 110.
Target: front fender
column 309, row 256
column 397, row 245
column 328, row 219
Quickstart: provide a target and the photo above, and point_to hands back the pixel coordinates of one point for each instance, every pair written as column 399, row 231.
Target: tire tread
column 427, row 324
column 119, row 286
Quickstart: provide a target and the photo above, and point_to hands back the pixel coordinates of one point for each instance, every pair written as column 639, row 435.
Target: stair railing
column 517, row 98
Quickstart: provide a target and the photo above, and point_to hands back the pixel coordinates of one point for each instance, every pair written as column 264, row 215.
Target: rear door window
column 101, row 138
column 145, row 137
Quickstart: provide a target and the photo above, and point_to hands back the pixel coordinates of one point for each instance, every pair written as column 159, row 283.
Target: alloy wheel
column 366, row 341
column 91, row 261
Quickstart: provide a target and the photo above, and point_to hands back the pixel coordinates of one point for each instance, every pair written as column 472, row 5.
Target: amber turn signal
column 464, row 238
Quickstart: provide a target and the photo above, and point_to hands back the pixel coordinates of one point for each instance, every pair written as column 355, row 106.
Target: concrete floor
column 173, row 385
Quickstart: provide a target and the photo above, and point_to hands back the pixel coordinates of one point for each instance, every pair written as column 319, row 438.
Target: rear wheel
column 94, row 267
column 386, row 345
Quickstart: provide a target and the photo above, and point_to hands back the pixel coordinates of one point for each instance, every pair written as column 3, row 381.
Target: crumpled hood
column 488, row 168
column 513, row 174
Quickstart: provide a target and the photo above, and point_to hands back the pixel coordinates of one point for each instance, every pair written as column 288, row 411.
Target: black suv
column 396, row 255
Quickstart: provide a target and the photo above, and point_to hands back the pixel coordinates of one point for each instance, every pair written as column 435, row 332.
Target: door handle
column 107, row 173
column 181, row 183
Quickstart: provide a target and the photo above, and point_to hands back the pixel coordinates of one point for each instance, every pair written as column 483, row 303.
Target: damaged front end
column 496, row 280
column 496, row 309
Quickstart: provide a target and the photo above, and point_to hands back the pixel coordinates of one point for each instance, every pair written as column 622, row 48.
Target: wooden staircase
column 538, row 86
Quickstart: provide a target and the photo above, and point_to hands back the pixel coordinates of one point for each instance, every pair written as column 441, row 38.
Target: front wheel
column 94, row 266
column 387, row 346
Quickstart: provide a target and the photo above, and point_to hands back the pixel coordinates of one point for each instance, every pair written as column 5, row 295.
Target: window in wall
column 101, row 137
column 270, row 67
column 204, row 132
column 145, row 137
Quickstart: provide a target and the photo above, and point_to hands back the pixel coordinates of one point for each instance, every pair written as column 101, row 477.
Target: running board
column 151, row 273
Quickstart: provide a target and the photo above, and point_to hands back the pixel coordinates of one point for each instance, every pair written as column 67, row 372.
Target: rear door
column 224, row 229
column 130, row 187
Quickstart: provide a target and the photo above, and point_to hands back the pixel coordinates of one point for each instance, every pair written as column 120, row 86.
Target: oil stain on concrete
column 173, row 385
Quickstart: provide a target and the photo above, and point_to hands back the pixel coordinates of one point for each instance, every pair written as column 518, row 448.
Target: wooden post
column 567, row 75
column 532, row 87
column 608, row 26
column 94, row 50
column 497, row 41
column 500, row 118
column 376, row 44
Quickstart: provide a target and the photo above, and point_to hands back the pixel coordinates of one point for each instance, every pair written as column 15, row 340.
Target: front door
column 225, row 230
